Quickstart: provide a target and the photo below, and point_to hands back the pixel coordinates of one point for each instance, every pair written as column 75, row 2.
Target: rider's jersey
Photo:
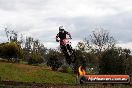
column 62, row 35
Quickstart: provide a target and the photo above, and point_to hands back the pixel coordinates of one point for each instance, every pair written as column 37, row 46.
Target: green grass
column 42, row 74
column 37, row 74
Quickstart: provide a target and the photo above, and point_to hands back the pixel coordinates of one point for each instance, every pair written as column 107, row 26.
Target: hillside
column 37, row 74
column 18, row 75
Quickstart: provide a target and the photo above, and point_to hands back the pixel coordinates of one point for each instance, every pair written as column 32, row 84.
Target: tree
column 54, row 59
column 127, row 61
column 12, row 51
column 28, row 44
column 32, row 45
column 81, row 60
column 38, row 51
column 11, row 35
column 113, row 62
column 100, row 40
column 21, row 41
column 85, row 52
column 35, row 58
column 81, row 46
column 128, row 69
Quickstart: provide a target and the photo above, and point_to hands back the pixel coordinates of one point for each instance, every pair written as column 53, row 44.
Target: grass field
column 42, row 74
column 37, row 74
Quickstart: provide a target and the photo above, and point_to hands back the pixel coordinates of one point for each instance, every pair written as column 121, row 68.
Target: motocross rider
column 62, row 35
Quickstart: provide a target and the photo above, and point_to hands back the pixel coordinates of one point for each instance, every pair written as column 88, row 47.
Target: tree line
column 99, row 51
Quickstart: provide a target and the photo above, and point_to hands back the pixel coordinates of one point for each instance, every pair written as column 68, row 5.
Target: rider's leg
column 72, row 56
column 69, row 48
column 63, row 49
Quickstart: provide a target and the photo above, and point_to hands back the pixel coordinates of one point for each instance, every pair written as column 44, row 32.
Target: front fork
column 69, row 50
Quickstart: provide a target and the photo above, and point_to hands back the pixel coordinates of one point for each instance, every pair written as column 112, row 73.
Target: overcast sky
column 41, row 19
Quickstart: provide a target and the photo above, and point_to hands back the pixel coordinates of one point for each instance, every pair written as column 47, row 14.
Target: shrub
column 12, row 51
column 35, row 58
column 80, row 60
column 112, row 62
column 64, row 68
column 54, row 62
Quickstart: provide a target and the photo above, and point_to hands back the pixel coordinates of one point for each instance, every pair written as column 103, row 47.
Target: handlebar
column 68, row 38
column 65, row 38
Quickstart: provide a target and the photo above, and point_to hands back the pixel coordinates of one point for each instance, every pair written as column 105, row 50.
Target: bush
column 64, row 68
column 12, row 51
column 35, row 58
column 54, row 59
column 54, row 63
column 81, row 60
column 112, row 62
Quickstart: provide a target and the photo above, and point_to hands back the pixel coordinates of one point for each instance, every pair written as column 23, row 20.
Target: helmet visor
column 61, row 30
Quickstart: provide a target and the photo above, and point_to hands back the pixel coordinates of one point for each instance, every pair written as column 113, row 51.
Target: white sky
column 41, row 19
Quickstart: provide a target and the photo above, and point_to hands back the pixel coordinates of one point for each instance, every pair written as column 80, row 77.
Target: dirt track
column 13, row 84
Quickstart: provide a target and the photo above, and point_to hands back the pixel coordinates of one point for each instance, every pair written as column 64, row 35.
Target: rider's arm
column 69, row 34
column 57, row 37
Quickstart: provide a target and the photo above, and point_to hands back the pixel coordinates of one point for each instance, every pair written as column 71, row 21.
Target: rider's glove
column 57, row 40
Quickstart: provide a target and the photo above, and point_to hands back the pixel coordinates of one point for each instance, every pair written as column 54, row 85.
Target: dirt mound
column 14, row 84
column 32, row 84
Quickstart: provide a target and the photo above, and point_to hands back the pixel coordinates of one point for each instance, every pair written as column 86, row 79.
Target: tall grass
column 38, row 74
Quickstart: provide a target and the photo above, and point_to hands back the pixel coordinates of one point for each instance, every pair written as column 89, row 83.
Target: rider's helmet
column 61, row 29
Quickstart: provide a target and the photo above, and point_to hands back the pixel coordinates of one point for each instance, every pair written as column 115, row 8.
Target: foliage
column 81, row 46
column 113, row 61
column 35, row 58
column 129, row 65
column 34, row 48
column 92, row 49
column 99, row 41
column 64, row 68
column 54, row 60
column 81, row 59
column 11, row 35
column 11, row 50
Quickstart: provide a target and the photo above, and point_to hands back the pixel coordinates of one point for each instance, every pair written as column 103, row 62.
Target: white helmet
column 61, row 28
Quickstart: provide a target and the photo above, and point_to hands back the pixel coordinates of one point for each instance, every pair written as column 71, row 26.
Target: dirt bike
column 68, row 51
